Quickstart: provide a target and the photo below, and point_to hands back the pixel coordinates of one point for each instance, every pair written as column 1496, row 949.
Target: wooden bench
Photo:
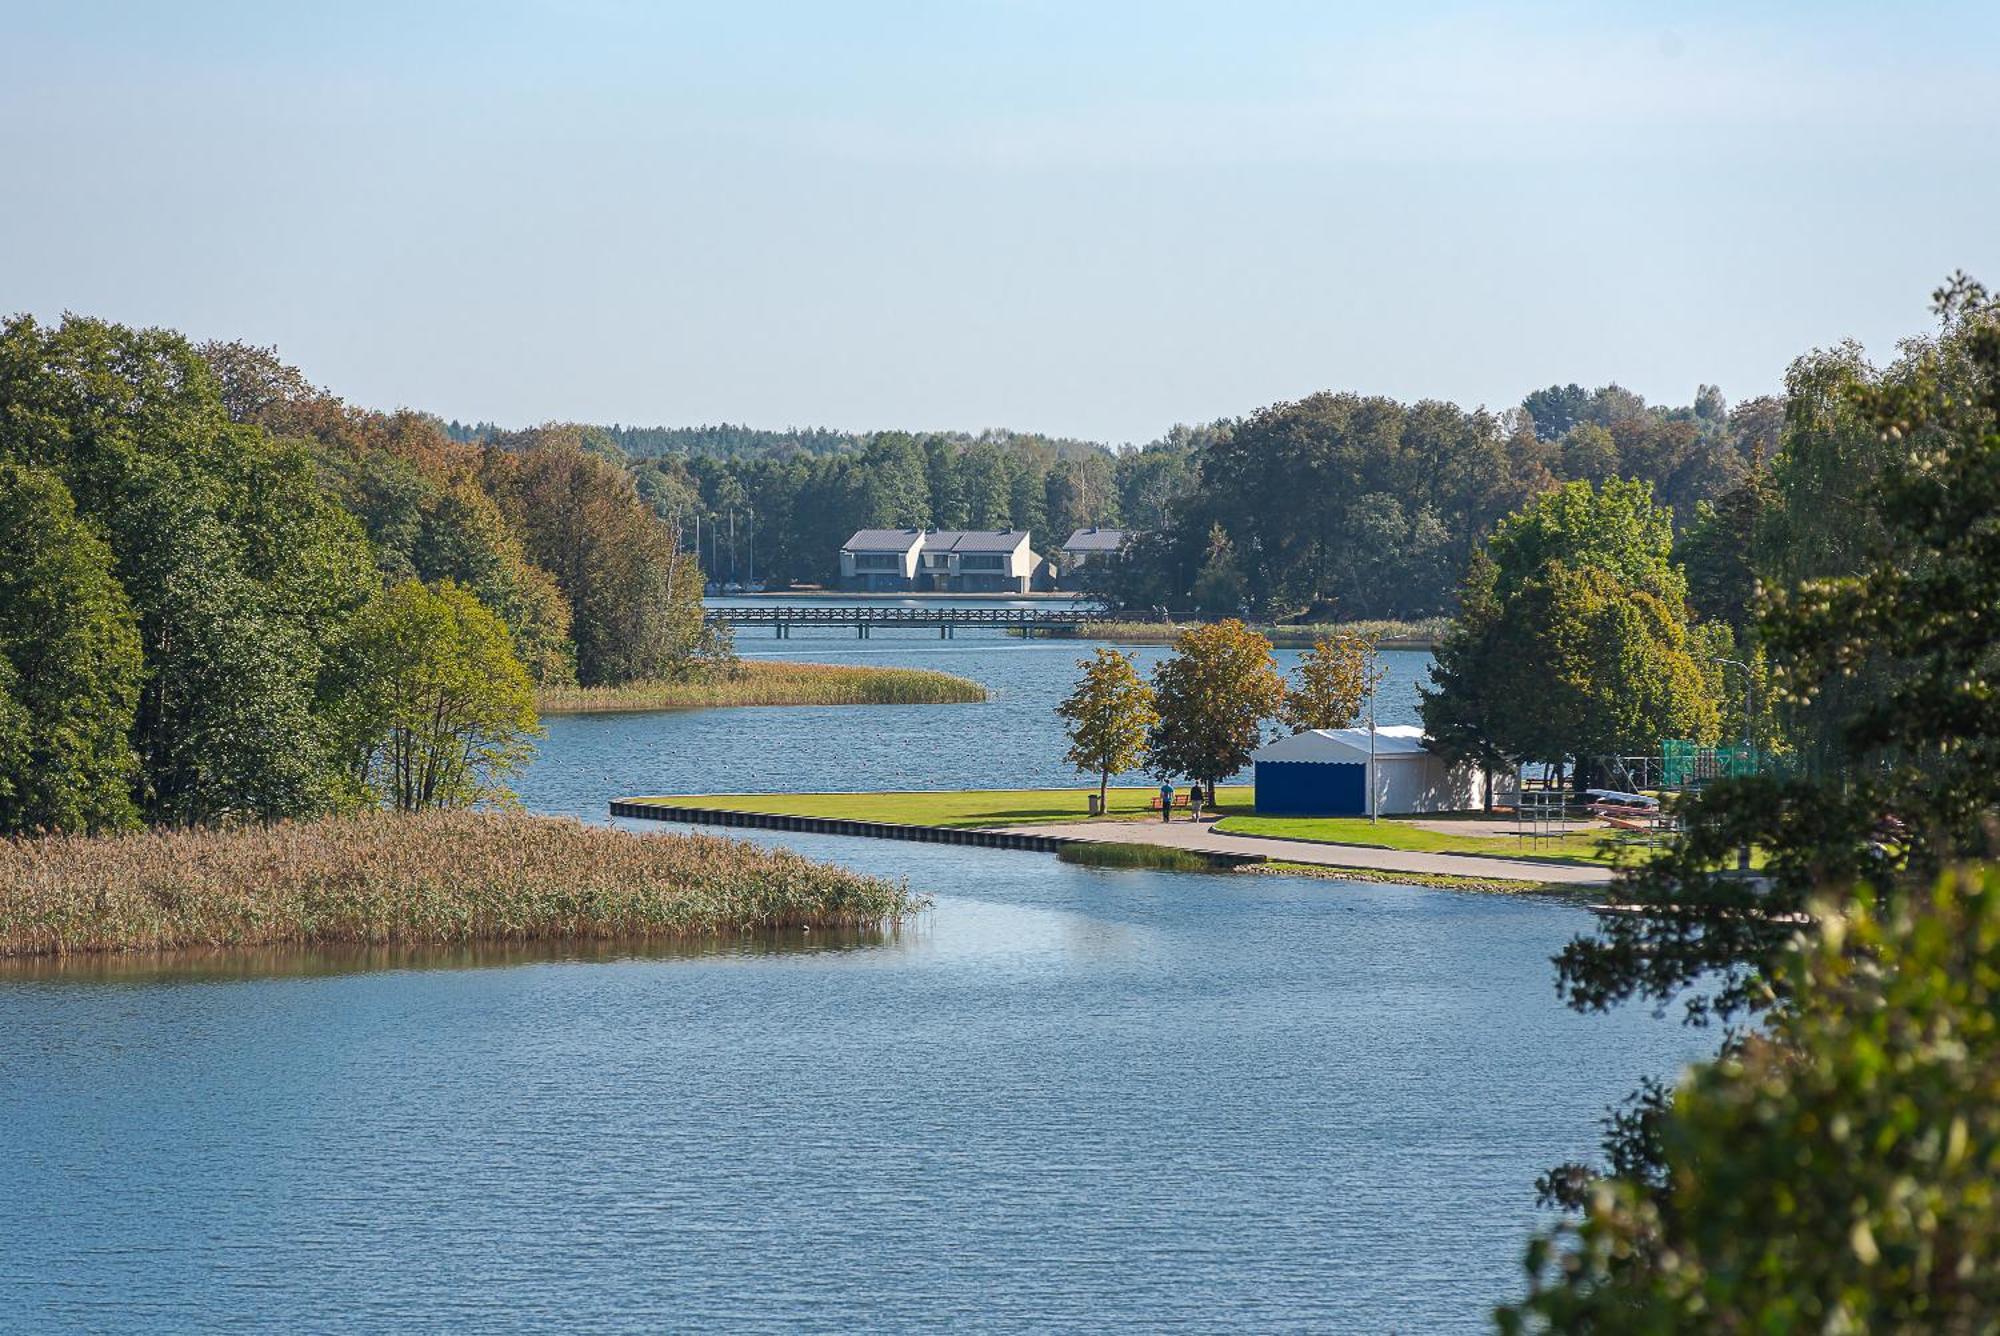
column 1180, row 800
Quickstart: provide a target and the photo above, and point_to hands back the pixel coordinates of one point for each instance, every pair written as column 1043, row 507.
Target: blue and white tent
column 1324, row 772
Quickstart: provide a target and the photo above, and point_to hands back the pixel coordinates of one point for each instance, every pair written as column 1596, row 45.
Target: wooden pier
column 1025, row 621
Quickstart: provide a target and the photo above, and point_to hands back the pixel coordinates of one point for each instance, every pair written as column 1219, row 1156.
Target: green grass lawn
column 1594, row 846
column 1025, row 807
column 965, row 807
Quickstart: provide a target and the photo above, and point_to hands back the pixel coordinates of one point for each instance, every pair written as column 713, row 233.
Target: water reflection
column 234, row 964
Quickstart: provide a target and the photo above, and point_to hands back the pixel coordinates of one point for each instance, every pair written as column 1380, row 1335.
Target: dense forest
column 1353, row 506
column 776, row 506
column 1338, row 505
column 214, row 579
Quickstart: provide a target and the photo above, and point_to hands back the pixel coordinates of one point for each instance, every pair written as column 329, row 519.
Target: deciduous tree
column 69, row 666
column 1214, row 694
column 1833, row 1173
column 1106, row 718
column 444, row 711
column 1335, row 679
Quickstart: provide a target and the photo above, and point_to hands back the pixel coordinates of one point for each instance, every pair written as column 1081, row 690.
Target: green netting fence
column 1685, row 763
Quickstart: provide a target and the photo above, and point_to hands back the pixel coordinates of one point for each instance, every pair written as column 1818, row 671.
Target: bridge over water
column 1027, row 621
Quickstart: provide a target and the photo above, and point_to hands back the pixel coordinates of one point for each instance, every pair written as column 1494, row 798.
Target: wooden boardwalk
column 863, row 620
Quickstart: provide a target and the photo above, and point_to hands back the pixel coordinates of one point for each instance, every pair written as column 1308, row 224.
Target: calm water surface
column 1060, row 1098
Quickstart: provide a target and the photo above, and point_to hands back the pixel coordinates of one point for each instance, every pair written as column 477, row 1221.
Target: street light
column 1749, row 695
column 1749, row 714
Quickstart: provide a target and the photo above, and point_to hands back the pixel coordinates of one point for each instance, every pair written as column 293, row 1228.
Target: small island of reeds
column 435, row 878
column 770, row 682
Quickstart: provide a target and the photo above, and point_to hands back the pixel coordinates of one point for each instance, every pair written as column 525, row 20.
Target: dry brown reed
column 430, row 878
column 768, row 682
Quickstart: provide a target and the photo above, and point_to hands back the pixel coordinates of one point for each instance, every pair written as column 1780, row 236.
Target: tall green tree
column 1219, row 588
column 69, row 666
column 1106, row 718
column 1462, row 707
column 1573, row 642
column 1920, row 782
column 446, row 712
column 1615, row 528
column 1214, row 694
column 241, row 570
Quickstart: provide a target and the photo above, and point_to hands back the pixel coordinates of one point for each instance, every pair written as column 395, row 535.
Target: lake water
column 1061, row 1098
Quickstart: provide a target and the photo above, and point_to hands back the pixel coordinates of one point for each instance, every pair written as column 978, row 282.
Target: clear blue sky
column 1090, row 219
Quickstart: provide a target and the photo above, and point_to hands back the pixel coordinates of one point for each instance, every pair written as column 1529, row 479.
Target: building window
column 877, row 561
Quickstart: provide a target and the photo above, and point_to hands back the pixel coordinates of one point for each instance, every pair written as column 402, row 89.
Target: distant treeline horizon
column 1337, row 505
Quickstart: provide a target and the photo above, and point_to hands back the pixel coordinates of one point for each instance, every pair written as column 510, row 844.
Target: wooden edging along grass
column 641, row 810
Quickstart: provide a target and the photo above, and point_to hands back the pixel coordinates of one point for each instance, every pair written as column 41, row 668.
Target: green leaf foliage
column 1214, row 694
column 69, row 665
column 442, row 710
column 1572, row 641
column 1106, row 717
column 1839, row 1171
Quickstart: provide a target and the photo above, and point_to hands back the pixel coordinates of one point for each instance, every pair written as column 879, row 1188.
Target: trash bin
column 1097, row 804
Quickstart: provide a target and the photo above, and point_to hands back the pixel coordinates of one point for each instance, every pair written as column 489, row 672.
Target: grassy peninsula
column 965, row 808
column 769, row 682
column 973, row 808
column 436, row 878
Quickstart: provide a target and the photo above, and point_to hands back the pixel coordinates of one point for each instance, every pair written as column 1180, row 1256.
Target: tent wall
column 1306, row 788
column 1408, row 784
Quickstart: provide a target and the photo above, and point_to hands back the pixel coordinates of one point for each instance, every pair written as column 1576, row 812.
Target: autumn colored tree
column 1214, row 694
column 1106, row 718
column 1335, row 679
column 635, row 601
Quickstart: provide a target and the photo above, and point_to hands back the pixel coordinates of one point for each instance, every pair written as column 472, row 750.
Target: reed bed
column 1422, row 634
column 1153, row 857
column 430, row 879
column 769, row 682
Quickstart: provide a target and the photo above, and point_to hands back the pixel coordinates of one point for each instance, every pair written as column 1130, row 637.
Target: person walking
column 1194, row 801
column 1166, row 800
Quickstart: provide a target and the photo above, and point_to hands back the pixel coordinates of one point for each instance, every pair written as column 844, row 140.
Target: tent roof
column 1345, row 746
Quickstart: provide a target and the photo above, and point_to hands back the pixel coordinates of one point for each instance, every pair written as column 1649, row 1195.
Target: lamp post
column 1749, row 697
column 1374, row 804
column 1749, row 714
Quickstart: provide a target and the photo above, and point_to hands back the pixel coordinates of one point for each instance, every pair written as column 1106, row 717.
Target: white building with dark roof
column 1092, row 544
column 884, row 559
column 958, row 561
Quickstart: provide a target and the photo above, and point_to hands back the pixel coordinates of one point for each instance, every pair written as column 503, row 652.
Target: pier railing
column 1027, row 621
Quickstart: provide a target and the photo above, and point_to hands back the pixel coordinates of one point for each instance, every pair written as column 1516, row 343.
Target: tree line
column 1208, row 704
column 1336, row 506
column 225, row 594
column 1352, row 507
column 1831, row 1168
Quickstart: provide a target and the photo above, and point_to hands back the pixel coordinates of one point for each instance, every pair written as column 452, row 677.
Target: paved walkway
column 1185, row 834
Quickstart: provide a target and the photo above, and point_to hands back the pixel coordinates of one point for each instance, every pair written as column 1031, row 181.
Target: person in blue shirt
column 1166, row 800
